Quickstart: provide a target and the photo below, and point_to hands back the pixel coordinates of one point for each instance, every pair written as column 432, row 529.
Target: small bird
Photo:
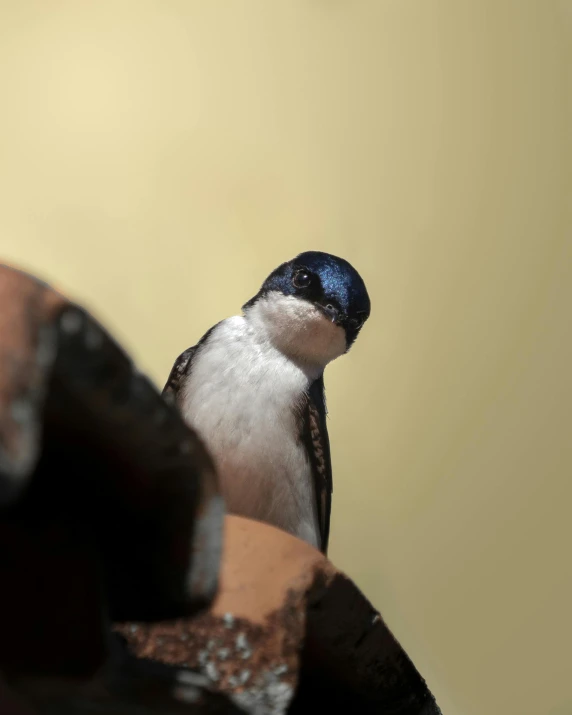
column 253, row 389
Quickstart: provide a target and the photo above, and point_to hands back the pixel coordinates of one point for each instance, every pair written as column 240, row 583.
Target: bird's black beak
column 332, row 313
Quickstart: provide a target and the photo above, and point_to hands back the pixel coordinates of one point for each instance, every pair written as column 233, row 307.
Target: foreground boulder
column 125, row 588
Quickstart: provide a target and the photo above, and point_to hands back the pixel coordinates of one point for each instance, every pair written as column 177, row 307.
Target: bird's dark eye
column 301, row 279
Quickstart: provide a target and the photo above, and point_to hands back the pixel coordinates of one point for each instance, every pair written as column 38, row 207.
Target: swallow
column 253, row 389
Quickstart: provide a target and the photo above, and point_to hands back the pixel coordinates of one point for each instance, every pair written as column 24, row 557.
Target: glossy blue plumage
column 334, row 286
column 339, row 280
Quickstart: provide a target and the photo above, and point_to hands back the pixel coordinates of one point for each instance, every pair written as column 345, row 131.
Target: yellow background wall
column 159, row 157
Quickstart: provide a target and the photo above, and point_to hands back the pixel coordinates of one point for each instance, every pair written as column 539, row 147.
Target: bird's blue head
column 329, row 284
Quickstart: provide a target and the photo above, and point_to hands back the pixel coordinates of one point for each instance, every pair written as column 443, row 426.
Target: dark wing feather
column 315, row 436
column 180, row 369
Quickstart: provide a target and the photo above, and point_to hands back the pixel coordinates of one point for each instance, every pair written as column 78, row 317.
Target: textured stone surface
column 109, row 508
column 87, row 444
column 122, row 687
column 287, row 630
column 248, row 643
column 27, row 349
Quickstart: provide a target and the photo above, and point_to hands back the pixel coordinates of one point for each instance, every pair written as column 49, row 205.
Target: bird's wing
column 179, row 371
column 182, row 368
column 317, row 443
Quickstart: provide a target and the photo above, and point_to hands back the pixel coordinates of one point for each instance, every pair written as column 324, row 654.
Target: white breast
column 241, row 397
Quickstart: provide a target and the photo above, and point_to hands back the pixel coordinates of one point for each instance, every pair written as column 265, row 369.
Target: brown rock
column 287, row 630
column 109, row 506
column 27, row 347
column 109, row 509
column 86, row 440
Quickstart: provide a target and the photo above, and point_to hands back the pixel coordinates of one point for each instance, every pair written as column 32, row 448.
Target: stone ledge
column 287, row 628
column 109, row 511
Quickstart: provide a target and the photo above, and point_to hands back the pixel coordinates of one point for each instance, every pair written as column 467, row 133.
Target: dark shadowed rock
column 287, row 631
column 110, row 512
column 109, row 506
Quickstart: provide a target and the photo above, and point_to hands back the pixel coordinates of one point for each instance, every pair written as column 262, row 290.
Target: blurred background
column 159, row 157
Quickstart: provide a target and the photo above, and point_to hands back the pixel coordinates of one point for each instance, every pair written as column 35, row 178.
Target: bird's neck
column 298, row 330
